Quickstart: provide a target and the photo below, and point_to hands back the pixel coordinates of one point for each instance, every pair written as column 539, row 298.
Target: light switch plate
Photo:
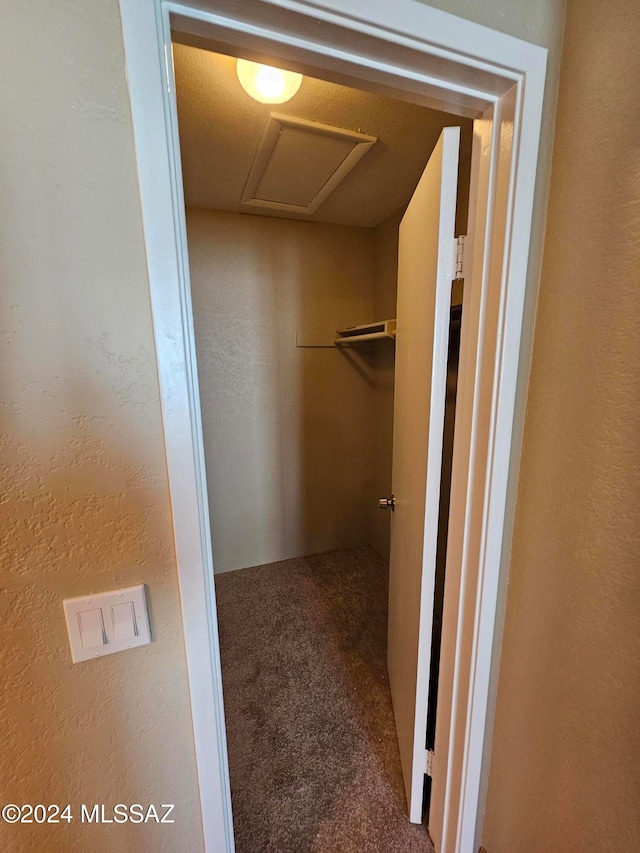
column 107, row 622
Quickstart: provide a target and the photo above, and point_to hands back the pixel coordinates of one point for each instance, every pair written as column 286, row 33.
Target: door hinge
column 459, row 257
column 428, row 762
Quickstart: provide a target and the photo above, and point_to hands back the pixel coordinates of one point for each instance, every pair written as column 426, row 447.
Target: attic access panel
column 300, row 162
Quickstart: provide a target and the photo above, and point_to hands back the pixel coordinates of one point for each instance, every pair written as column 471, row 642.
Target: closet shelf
column 354, row 335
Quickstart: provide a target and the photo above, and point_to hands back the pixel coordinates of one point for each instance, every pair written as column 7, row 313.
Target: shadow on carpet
column 313, row 752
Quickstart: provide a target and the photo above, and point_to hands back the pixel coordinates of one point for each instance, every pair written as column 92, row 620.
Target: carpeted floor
column 313, row 753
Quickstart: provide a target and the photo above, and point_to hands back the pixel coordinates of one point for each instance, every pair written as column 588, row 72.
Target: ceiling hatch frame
column 272, row 140
column 405, row 49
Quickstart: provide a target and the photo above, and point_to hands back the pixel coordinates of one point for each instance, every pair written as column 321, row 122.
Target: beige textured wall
column 287, row 430
column 82, row 451
column 83, row 468
column 565, row 774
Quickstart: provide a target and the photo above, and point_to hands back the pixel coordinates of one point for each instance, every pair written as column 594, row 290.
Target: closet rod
column 359, row 339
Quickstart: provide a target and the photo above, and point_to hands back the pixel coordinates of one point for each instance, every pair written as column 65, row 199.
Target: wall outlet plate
column 107, row 622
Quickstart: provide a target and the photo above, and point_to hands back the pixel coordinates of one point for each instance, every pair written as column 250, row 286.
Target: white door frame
column 443, row 61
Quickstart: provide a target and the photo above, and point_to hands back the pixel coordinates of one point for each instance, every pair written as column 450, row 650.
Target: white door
column 425, row 272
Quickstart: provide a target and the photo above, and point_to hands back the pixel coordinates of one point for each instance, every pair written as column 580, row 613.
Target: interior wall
column 564, row 773
column 287, row 429
column 86, row 418
column 82, row 461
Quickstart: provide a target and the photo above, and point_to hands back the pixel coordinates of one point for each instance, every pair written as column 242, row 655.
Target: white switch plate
column 108, row 622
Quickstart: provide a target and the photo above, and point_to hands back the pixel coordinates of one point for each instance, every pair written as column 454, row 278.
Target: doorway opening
column 415, row 51
column 294, row 319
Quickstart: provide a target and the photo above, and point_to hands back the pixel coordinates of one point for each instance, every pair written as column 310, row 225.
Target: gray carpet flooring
column 313, row 753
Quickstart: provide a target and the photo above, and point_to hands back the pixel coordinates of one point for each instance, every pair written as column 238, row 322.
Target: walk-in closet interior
column 292, row 213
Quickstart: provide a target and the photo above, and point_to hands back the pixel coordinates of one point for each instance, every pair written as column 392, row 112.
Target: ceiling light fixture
column 266, row 84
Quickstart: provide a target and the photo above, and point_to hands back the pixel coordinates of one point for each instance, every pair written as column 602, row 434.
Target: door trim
column 407, row 49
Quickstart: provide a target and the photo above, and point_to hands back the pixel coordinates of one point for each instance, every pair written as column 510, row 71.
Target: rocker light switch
column 110, row 622
column 123, row 617
column 91, row 628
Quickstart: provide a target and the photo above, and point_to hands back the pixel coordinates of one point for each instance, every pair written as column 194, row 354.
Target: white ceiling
column 221, row 130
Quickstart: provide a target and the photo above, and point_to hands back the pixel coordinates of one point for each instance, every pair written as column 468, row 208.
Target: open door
column 426, row 262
